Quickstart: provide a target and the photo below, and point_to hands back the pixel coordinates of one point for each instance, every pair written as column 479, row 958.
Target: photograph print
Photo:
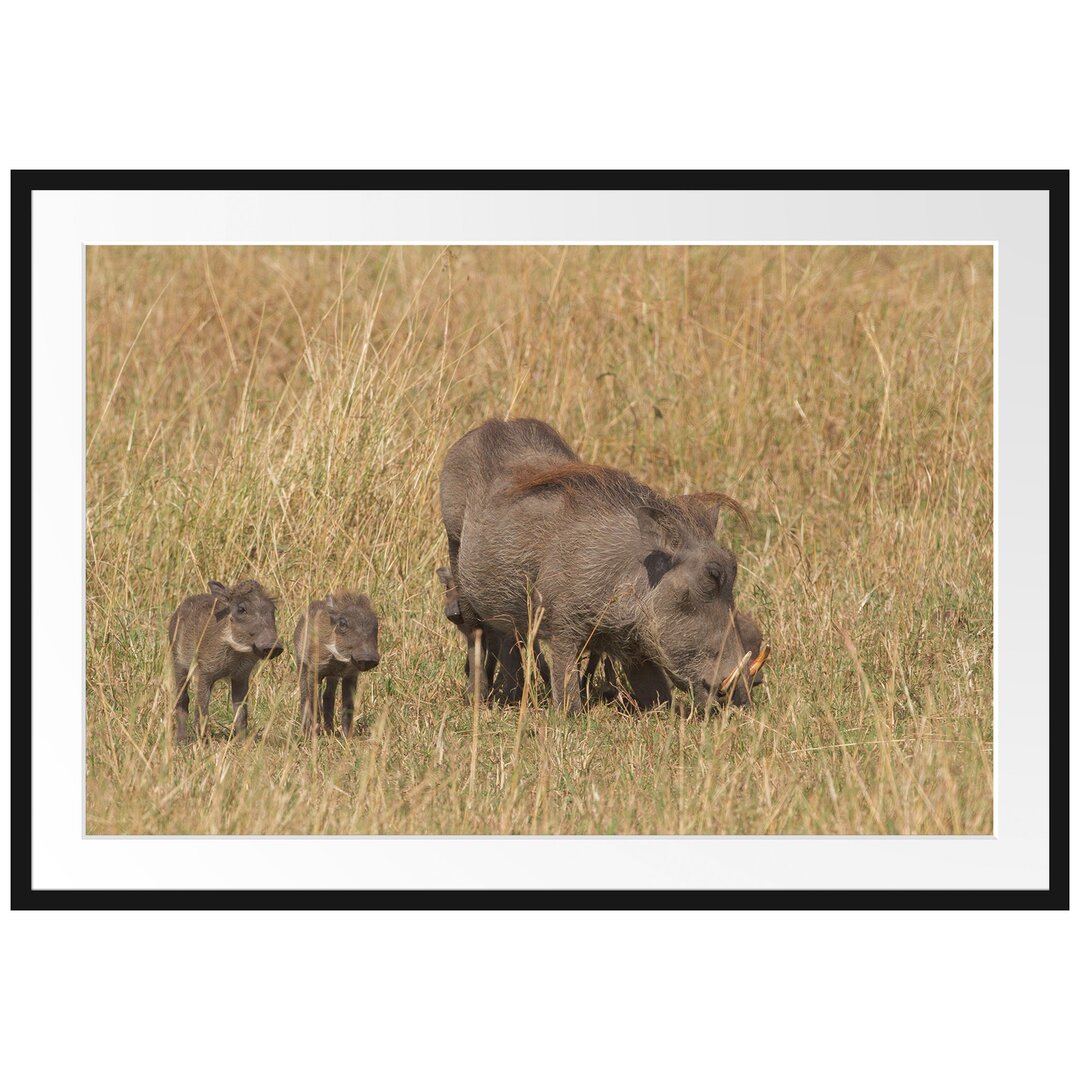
column 540, row 540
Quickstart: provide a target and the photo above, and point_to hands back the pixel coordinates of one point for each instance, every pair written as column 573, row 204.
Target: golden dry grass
column 282, row 413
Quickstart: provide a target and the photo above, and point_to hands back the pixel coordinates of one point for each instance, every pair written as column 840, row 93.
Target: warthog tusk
column 759, row 660
column 729, row 682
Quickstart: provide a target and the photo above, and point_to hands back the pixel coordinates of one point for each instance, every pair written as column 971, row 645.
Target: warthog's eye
column 240, row 609
column 718, row 574
column 343, row 624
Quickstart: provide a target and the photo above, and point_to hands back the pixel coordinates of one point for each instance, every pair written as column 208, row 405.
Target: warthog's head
column 705, row 645
column 247, row 612
column 451, row 606
column 354, row 627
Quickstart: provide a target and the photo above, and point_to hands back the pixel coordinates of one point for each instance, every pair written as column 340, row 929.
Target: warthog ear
column 444, row 576
column 712, row 516
column 707, row 505
column 709, row 510
column 658, row 530
column 221, row 599
column 332, row 612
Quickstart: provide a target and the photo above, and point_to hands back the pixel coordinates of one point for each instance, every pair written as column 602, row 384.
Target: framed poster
column 732, row 487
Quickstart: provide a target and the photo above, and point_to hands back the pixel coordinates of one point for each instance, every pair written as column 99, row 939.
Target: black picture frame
column 24, row 700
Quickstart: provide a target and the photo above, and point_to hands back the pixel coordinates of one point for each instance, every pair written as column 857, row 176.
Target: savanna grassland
column 282, row 413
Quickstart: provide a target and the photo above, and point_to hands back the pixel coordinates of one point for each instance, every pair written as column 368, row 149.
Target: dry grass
column 282, row 413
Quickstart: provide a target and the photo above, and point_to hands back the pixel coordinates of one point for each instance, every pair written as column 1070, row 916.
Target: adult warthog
column 613, row 567
column 481, row 458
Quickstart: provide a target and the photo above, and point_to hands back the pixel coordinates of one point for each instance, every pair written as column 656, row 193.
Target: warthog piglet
column 336, row 638
column 217, row 635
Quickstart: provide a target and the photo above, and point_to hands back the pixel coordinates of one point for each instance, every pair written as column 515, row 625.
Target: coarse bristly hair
column 578, row 478
column 250, row 587
column 347, row 598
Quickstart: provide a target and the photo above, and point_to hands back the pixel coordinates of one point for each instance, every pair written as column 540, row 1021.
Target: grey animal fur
column 480, row 458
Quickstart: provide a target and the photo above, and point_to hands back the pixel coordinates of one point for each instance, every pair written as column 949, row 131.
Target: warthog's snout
column 735, row 686
column 268, row 650
column 366, row 662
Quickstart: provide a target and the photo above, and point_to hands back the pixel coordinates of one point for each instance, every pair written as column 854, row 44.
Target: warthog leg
column 348, row 703
column 510, row 684
column 203, row 686
column 308, row 690
column 565, row 679
column 180, row 710
column 328, row 694
column 239, row 688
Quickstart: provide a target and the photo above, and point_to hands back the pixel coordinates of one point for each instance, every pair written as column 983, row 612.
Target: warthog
column 221, row 634
column 336, row 638
column 616, row 568
column 478, row 459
